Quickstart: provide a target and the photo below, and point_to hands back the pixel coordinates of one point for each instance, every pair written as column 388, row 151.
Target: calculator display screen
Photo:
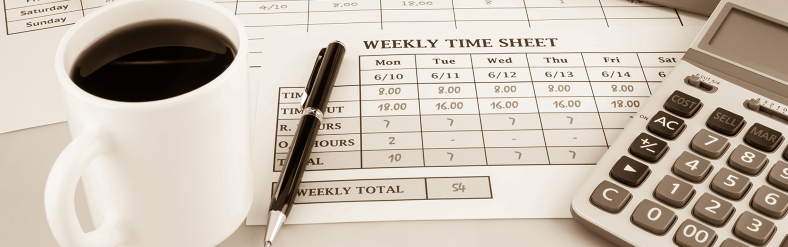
column 759, row 41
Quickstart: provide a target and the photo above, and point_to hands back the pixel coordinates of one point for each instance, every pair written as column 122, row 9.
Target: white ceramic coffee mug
column 171, row 172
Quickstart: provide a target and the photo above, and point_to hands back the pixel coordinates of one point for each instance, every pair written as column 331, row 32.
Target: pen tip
column 275, row 221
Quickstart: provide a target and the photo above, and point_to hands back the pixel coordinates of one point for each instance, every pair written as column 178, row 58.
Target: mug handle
column 61, row 186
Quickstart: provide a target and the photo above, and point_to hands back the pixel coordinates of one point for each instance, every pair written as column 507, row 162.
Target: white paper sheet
column 30, row 95
column 456, row 125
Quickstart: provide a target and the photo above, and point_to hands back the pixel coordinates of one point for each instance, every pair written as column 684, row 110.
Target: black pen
column 313, row 103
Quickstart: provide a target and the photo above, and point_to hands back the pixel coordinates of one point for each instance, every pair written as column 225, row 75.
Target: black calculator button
column 673, row 191
column 610, row 197
column 763, row 138
column 709, row 144
column 785, row 156
column 682, row 104
column 732, row 243
column 713, row 210
column 778, row 176
column 648, row 147
column 770, row 202
column 747, row 160
column 691, row 167
column 753, row 228
column 694, row 234
column 785, row 242
column 730, row 184
column 665, row 125
column 629, row 171
column 653, row 217
column 725, row 122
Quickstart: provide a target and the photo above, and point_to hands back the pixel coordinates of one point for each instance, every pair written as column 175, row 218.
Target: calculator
column 703, row 7
column 704, row 162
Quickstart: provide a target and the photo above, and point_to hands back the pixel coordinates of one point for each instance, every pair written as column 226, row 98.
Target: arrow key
column 629, row 171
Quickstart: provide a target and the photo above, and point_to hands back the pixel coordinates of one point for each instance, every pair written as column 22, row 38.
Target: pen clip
column 311, row 82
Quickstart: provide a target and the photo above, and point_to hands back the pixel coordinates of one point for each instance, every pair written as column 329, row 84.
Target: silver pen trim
column 275, row 221
column 314, row 112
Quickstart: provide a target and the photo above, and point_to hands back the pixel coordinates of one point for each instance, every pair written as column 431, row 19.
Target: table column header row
column 519, row 60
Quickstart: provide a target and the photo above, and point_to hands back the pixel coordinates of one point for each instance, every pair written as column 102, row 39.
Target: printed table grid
column 393, row 189
column 311, row 15
column 29, row 15
column 420, row 110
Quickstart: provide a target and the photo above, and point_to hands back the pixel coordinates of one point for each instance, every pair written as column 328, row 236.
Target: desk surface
column 26, row 156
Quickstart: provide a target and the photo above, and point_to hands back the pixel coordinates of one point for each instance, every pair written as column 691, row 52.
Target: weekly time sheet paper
column 455, row 125
column 29, row 95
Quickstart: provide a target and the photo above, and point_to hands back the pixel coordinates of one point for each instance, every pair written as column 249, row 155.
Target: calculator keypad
column 763, row 138
column 747, row 160
column 629, row 171
column 770, row 202
column 665, row 125
column 730, row 184
column 693, row 234
column 713, row 210
column 778, row 176
column 610, row 197
column 691, row 167
column 678, row 202
column 653, row 217
column 682, row 104
column 785, row 156
column 648, row 147
column 674, row 192
column 725, row 122
column 732, row 243
column 753, row 228
column 709, row 144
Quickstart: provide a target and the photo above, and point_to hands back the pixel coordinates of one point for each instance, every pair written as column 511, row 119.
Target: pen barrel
column 325, row 77
column 295, row 164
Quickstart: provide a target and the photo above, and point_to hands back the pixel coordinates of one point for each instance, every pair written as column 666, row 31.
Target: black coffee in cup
column 152, row 61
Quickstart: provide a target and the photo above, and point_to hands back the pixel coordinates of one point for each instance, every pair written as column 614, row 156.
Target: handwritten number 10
column 395, row 157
